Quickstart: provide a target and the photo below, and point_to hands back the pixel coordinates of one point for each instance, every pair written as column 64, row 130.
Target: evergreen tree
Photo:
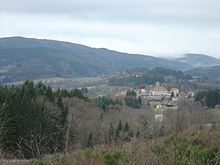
column 118, row 131
column 138, row 133
column 84, row 91
column 131, row 93
column 111, row 133
column 119, row 126
column 132, row 102
column 34, row 124
column 49, row 94
column 172, row 95
column 139, row 100
column 90, row 142
column 126, row 128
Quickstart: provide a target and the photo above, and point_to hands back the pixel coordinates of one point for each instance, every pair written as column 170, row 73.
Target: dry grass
column 188, row 148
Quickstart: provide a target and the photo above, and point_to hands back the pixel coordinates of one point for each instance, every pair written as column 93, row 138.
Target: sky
column 164, row 28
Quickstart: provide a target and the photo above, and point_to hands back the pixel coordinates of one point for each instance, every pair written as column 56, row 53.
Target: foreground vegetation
column 62, row 127
column 33, row 119
column 36, row 120
column 192, row 147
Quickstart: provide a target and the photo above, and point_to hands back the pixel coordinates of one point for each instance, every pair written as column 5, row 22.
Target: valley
column 63, row 103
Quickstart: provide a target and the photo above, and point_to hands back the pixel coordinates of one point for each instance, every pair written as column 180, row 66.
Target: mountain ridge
column 199, row 60
column 212, row 72
column 29, row 58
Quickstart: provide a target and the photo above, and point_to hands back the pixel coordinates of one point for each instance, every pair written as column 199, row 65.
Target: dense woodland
column 209, row 98
column 141, row 76
column 36, row 120
column 33, row 119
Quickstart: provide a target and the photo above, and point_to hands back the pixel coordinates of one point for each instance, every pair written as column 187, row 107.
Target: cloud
column 118, row 9
column 156, row 27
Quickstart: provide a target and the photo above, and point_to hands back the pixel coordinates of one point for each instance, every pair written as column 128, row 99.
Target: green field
column 68, row 83
column 160, row 110
column 105, row 90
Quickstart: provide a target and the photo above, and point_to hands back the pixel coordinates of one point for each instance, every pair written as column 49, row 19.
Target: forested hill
column 141, row 76
column 199, row 60
column 207, row 72
column 27, row 58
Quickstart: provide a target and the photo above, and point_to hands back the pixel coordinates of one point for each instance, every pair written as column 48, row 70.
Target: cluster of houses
column 156, row 93
column 159, row 94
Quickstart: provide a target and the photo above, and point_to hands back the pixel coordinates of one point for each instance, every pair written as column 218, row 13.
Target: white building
column 143, row 91
column 175, row 92
column 158, row 106
column 159, row 117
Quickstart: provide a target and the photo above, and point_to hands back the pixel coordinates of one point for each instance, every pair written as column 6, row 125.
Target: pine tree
column 138, row 133
column 126, row 128
column 139, row 100
column 49, row 94
column 111, row 133
column 90, row 141
column 118, row 130
column 119, row 126
column 172, row 95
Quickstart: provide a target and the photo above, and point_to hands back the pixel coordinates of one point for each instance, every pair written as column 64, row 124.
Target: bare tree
column 83, row 118
column 3, row 121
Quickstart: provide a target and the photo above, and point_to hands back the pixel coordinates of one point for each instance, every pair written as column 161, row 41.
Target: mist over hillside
column 199, row 60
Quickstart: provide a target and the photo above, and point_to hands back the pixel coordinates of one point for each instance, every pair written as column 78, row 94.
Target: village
column 159, row 97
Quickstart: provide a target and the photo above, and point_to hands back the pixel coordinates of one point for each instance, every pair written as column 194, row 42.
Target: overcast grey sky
column 152, row 27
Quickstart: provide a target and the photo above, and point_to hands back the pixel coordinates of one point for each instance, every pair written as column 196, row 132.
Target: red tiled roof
column 174, row 89
column 158, row 88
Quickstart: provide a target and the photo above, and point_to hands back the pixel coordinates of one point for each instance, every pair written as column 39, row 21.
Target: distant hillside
column 142, row 76
column 211, row 72
column 28, row 58
column 199, row 60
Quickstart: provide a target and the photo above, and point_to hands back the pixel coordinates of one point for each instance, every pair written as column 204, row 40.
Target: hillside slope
column 211, row 72
column 28, row 58
column 199, row 60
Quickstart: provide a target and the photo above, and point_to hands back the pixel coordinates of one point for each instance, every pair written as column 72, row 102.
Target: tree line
column 140, row 76
column 209, row 98
column 33, row 119
column 36, row 120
